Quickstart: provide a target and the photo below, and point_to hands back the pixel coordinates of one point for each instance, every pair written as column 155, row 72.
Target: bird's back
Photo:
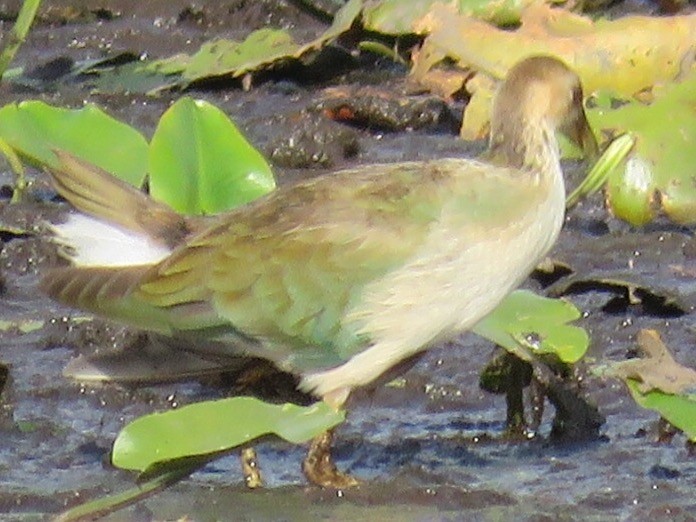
column 316, row 272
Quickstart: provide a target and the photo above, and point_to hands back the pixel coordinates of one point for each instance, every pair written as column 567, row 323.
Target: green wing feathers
column 290, row 268
column 287, row 269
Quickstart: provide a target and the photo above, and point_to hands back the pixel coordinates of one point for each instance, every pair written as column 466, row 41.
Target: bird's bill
column 581, row 134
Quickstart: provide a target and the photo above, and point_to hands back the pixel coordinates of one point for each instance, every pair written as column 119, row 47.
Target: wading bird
column 340, row 278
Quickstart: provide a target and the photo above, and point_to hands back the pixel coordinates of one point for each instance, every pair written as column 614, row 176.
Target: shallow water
column 428, row 448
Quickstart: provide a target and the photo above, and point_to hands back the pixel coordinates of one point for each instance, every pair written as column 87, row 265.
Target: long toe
column 319, row 467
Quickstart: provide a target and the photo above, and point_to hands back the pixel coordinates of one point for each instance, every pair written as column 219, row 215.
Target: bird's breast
column 460, row 274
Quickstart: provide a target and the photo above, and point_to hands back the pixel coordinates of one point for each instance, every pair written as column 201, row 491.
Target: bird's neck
column 526, row 145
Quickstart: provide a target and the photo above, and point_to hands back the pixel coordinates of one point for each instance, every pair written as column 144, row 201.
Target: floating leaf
column 35, row 129
column 402, row 16
column 214, row 426
column 261, row 49
column 139, row 76
column 638, row 51
column 657, row 382
column 200, row 162
column 227, row 57
column 659, row 176
column 536, row 323
column 678, row 410
column 656, row 370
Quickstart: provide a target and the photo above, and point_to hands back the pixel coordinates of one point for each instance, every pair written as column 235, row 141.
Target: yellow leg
column 250, row 468
column 319, row 467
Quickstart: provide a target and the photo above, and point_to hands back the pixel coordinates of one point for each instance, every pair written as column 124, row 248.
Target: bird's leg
column 250, row 468
column 319, row 467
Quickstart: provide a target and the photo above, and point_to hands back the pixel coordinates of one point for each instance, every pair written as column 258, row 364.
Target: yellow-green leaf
column 213, row 426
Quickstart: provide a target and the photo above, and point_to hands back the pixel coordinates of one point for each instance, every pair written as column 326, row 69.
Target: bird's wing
column 287, row 268
column 98, row 193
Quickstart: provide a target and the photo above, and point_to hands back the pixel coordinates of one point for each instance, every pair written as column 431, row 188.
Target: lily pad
column 655, row 371
column 200, row 163
column 656, row 296
column 227, row 57
column 678, row 410
column 400, row 17
column 657, row 382
column 261, row 49
column 659, row 176
column 149, row 77
column 637, row 52
column 214, row 426
column 527, row 323
column 34, row 129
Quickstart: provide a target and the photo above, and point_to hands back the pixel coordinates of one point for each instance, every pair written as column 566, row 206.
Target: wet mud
column 430, row 445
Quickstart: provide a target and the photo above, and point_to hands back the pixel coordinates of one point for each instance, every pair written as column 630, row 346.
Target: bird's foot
column 319, row 467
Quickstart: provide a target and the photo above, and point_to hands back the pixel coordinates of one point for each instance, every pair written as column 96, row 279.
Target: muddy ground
column 429, row 448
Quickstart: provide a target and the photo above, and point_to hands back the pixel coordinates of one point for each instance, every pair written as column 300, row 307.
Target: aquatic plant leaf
column 656, row 370
column 34, row 129
column 656, row 291
column 215, row 426
column 657, row 382
column 678, row 410
column 147, row 77
column 261, row 49
column 659, row 176
column 402, row 16
column 228, row 57
column 638, row 51
column 200, row 163
column 526, row 322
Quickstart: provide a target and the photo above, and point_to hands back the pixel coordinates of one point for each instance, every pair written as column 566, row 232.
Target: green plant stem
column 17, row 167
column 18, row 33
column 379, row 48
column 616, row 152
column 105, row 505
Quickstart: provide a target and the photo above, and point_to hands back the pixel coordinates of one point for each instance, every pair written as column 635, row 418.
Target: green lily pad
column 148, row 77
column 659, row 176
column 402, row 16
column 658, row 382
column 215, row 426
column 526, row 322
column 638, row 52
column 678, row 410
column 261, row 49
column 34, row 129
column 227, row 57
column 200, row 163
